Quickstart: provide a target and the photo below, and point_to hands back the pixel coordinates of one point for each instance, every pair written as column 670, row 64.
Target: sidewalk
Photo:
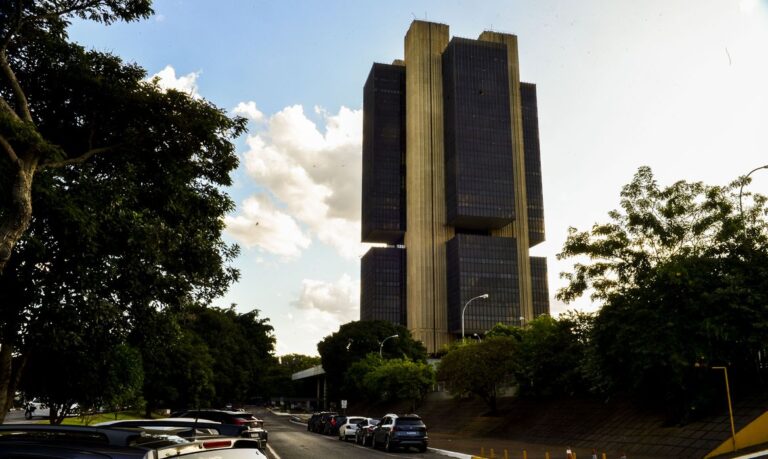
column 474, row 446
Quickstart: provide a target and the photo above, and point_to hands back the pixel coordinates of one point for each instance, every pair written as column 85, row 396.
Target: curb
column 445, row 452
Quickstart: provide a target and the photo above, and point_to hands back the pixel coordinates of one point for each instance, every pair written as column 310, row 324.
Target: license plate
column 411, row 433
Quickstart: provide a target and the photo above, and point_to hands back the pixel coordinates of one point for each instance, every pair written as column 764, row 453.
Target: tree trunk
column 19, row 215
column 6, row 360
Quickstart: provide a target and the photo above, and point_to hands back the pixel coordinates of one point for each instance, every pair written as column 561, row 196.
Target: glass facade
column 382, row 279
column 478, row 135
column 383, row 208
column 534, row 193
column 539, row 286
column 478, row 265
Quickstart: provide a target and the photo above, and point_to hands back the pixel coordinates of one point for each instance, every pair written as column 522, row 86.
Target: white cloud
column 249, row 110
column 747, row 6
column 340, row 299
column 314, row 175
column 311, row 326
column 166, row 79
column 261, row 224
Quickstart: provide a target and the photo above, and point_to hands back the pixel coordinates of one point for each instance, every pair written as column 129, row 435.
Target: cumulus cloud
column 314, row 174
column 312, row 325
column 167, row 79
column 341, row 299
column 249, row 110
column 261, row 224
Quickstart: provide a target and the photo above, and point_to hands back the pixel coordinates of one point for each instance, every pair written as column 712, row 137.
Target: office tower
column 452, row 186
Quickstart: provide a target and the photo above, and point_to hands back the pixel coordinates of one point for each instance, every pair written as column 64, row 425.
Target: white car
column 349, row 428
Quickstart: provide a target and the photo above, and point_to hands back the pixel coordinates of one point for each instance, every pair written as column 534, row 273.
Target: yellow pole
column 506, row 454
column 730, row 408
column 546, row 455
column 493, row 454
column 605, row 456
column 482, row 452
column 525, row 454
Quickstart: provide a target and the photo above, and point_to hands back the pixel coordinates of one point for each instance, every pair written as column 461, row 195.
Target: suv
column 39, row 440
column 401, row 431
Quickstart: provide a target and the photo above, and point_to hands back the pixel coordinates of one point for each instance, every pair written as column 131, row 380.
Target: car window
column 410, row 422
column 354, row 420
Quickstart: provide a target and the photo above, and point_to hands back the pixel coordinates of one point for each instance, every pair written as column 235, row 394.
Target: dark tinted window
column 410, row 422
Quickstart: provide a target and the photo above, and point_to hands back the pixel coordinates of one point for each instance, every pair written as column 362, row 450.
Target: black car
column 314, row 420
column 364, row 432
column 401, row 431
column 324, row 419
column 332, row 424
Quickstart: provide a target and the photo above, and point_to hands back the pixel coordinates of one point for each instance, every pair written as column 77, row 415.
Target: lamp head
column 484, row 295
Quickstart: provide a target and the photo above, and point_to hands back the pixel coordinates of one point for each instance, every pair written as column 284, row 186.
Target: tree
column 84, row 135
column 398, row 379
column 551, row 356
column 77, row 357
column 681, row 278
column 241, row 346
column 480, row 368
column 355, row 340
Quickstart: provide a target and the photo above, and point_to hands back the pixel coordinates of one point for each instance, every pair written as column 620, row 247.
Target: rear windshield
column 355, row 420
column 409, row 422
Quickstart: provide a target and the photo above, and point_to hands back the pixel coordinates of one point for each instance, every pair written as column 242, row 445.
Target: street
column 288, row 440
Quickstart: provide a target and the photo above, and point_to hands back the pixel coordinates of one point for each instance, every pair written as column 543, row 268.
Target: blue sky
column 675, row 85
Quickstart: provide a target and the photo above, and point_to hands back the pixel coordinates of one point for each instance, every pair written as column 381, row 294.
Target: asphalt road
column 288, row 440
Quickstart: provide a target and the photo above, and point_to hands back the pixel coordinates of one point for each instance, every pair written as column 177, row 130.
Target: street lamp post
column 381, row 344
column 730, row 408
column 484, row 295
column 741, row 189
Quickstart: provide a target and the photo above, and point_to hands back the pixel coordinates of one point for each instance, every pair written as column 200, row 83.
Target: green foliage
column 124, row 242
column 682, row 277
column 400, row 379
column 551, row 356
column 355, row 340
column 480, row 368
column 500, row 329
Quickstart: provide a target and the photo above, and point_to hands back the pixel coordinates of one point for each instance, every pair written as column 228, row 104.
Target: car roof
column 74, row 441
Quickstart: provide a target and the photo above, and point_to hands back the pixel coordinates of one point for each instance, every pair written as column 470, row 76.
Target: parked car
column 348, row 429
column 314, row 420
column 42, row 440
column 239, row 418
column 401, row 431
column 332, row 424
column 364, row 432
column 191, row 428
column 325, row 418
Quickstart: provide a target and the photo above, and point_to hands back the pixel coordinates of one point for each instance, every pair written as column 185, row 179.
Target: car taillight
column 394, row 429
column 333, row 422
column 217, row 444
column 240, row 421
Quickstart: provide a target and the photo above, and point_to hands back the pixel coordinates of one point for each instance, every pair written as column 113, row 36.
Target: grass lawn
column 103, row 417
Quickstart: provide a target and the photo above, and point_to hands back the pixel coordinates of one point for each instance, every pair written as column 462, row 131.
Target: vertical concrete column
column 519, row 228
column 427, row 230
